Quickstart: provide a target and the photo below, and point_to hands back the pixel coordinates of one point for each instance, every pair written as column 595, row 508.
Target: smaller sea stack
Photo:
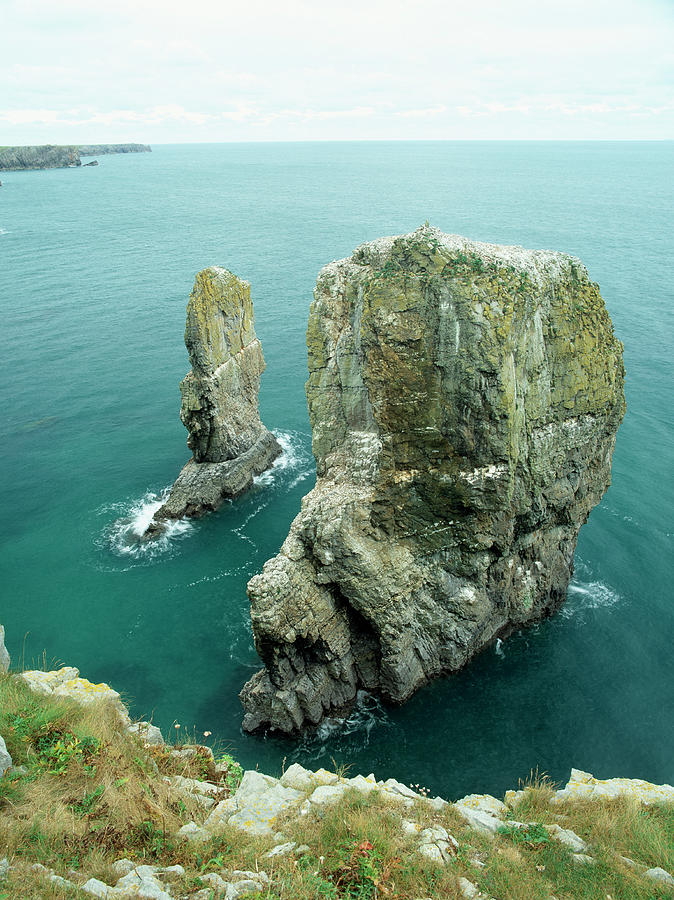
column 219, row 408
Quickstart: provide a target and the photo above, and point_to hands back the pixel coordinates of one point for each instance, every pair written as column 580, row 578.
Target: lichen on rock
column 219, row 408
column 464, row 401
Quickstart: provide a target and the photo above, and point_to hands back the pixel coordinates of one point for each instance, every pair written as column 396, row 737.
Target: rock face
column 46, row 157
column 229, row 443
column 464, row 400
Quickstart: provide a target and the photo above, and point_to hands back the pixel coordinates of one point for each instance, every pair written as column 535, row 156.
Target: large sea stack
column 464, row 400
column 229, row 443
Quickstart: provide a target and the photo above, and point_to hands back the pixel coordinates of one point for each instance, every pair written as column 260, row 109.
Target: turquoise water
column 96, row 266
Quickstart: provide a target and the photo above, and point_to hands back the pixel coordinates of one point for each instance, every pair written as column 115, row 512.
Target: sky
column 77, row 71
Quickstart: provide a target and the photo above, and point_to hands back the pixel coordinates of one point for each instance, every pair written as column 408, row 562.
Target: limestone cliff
column 48, row 156
column 51, row 156
column 219, row 407
column 464, row 400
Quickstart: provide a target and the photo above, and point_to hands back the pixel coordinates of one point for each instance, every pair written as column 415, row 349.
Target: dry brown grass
column 82, row 806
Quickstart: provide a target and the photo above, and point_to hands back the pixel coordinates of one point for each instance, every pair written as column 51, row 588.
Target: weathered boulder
column 4, row 653
column 65, row 682
column 437, row 844
column 567, row 837
column 482, row 812
column 464, row 400
column 659, row 874
column 193, row 833
column 5, row 758
column 147, row 732
column 584, row 786
column 255, row 806
column 229, row 443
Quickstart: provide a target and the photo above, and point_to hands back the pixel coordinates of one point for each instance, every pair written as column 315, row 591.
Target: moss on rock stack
column 229, row 443
column 464, row 401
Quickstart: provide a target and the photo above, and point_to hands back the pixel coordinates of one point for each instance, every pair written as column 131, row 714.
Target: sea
column 96, row 265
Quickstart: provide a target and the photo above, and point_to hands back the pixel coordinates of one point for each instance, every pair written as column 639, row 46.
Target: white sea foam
column 587, row 595
column 124, row 535
column 294, row 456
column 337, row 734
column 301, row 477
column 4, row 231
column 498, row 648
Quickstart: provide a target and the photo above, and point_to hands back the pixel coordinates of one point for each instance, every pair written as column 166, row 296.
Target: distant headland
column 100, row 149
column 51, row 156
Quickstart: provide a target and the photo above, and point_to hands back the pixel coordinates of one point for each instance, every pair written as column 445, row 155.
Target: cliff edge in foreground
column 93, row 805
column 229, row 443
column 464, row 400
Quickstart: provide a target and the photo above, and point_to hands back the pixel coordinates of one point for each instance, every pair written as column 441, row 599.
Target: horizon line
column 165, row 143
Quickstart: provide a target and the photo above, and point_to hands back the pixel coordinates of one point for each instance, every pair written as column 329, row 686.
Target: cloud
column 422, row 113
column 154, row 116
column 382, row 68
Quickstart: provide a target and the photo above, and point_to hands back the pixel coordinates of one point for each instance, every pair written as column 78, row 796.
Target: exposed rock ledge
column 229, row 443
column 464, row 400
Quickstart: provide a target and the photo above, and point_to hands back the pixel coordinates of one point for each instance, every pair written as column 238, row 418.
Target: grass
column 92, row 794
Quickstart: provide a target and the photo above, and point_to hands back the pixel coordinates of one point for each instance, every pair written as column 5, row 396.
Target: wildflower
column 207, row 733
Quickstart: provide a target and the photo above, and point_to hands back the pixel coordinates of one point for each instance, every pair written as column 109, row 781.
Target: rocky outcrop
column 464, row 400
column 101, row 149
column 66, row 682
column 229, row 443
column 48, row 156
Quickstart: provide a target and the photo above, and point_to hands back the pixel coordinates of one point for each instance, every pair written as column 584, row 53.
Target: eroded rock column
column 464, row 401
column 229, row 443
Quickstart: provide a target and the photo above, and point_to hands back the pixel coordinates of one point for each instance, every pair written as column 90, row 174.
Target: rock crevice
column 464, row 400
